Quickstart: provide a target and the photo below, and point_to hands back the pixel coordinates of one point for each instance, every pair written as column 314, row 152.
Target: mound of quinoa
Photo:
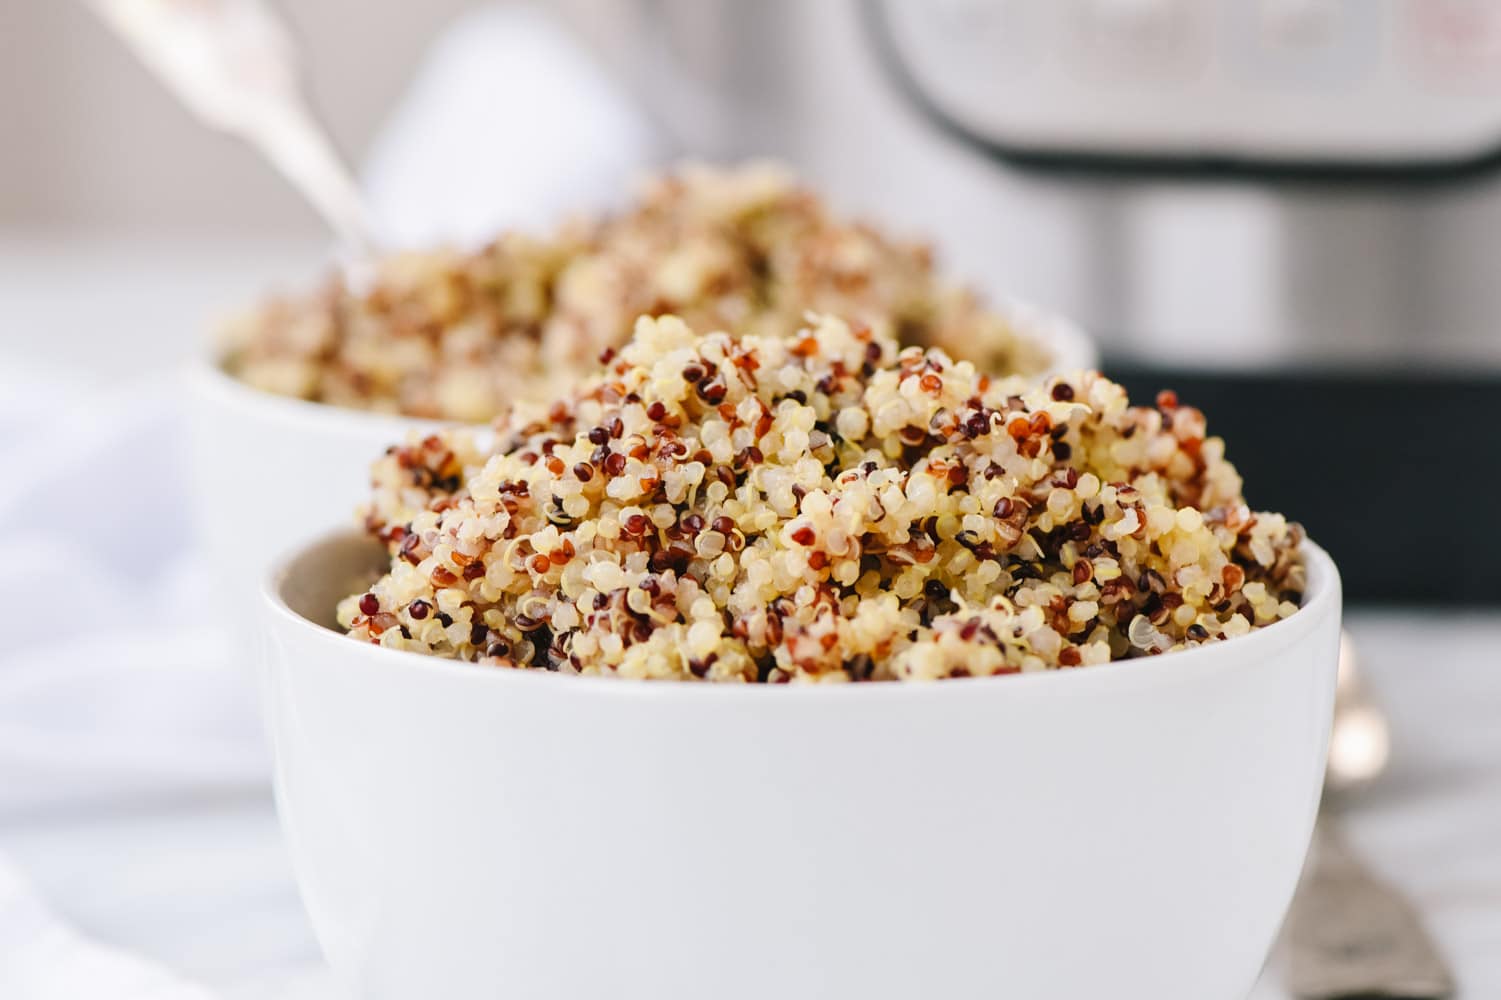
column 460, row 336
column 820, row 507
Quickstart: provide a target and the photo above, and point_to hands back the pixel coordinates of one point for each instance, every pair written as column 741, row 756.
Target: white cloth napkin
column 509, row 123
column 112, row 687
column 114, row 683
column 41, row 958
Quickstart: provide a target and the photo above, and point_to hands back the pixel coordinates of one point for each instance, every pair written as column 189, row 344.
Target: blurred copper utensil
column 1349, row 933
column 1360, row 743
column 234, row 64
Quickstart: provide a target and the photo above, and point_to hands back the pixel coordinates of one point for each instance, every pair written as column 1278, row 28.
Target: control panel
column 1361, row 82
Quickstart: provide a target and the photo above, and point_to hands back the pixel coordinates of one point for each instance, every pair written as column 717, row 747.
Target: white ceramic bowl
column 269, row 471
column 1131, row 830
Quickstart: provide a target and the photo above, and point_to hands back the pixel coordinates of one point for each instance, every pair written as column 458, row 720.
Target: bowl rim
column 1321, row 600
column 1070, row 350
column 207, row 376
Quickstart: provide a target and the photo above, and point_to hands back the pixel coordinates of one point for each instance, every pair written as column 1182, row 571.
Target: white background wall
column 89, row 140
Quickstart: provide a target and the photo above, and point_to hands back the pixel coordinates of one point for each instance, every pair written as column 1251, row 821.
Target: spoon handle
column 1352, row 935
column 234, row 64
column 299, row 147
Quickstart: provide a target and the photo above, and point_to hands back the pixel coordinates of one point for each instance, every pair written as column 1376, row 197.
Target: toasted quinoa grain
column 460, row 336
column 824, row 506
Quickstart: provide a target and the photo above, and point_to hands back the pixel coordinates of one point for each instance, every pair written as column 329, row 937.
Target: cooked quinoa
column 460, row 336
column 821, row 507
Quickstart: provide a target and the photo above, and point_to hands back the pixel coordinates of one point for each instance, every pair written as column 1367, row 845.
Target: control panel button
column 1301, row 44
column 1142, row 41
column 1454, row 43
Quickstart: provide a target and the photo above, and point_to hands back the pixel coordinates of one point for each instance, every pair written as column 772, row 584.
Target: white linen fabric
column 41, row 958
column 114, row 689
column 115, row 681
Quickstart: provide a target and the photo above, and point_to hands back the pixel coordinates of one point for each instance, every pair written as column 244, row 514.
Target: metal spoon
column 234, row 64
column 1349, row 933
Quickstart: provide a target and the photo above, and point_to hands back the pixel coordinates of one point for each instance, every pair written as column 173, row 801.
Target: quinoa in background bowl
column 304, row 393
column 460, row 335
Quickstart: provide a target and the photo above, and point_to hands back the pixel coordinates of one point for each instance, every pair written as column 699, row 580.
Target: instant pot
column 1286, row 210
